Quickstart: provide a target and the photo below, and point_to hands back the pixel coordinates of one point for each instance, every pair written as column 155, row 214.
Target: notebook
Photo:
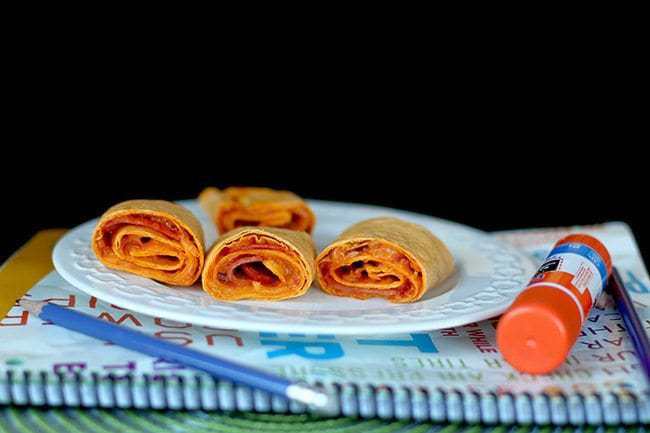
column 449, row 375
column 52, row 420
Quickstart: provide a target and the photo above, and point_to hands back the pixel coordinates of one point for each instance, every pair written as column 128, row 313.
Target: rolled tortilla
column 246, row 206
column 384, row 258
column 267, row 264
column 152, row 238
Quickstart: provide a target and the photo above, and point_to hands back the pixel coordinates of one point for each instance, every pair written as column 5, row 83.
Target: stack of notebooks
column 422, row 381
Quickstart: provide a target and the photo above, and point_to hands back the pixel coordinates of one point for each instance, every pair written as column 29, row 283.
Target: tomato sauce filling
column 256, row 259
column 296, row 218
column 369, row 269
column 135, row 246
column 255, row 271
column 159, row 224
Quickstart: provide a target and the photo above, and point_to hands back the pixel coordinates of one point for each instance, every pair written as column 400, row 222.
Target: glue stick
column 537, row 332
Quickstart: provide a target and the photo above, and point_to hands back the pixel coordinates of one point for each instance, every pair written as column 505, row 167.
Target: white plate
column 488, row 277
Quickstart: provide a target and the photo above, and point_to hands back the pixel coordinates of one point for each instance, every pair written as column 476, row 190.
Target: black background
column 482, row 148
column 485, row 188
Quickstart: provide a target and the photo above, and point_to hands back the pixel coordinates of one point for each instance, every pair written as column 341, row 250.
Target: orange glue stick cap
column 537, row 332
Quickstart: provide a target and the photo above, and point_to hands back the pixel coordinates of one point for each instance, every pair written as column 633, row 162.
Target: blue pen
column 143, row 343
column 633, row 324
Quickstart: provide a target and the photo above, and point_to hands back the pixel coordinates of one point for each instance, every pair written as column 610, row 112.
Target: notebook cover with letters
column 448, row 375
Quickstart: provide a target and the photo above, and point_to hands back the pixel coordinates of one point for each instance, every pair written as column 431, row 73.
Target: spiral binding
column 365, row 401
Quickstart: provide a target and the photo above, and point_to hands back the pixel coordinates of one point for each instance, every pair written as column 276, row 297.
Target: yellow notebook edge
column 26, row 267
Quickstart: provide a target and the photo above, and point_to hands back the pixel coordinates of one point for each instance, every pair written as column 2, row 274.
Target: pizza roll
column 152, row 238
column 260, row 263
column 384, row 258
column 245, row 206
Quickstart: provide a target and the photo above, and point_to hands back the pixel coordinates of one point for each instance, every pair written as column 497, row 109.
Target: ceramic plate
column 489, row 275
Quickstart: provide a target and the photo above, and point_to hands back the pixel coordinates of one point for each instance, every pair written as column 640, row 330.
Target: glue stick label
column 576, row 269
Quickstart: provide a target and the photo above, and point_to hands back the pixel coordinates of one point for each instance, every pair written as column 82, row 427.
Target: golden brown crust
column 251, row 206
column 292, row 249
column 407, row 260
column 209, row 200
column 128, row 237
column 161, row 207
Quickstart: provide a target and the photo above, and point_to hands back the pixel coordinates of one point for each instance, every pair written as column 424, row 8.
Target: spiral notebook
column 450, row 375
